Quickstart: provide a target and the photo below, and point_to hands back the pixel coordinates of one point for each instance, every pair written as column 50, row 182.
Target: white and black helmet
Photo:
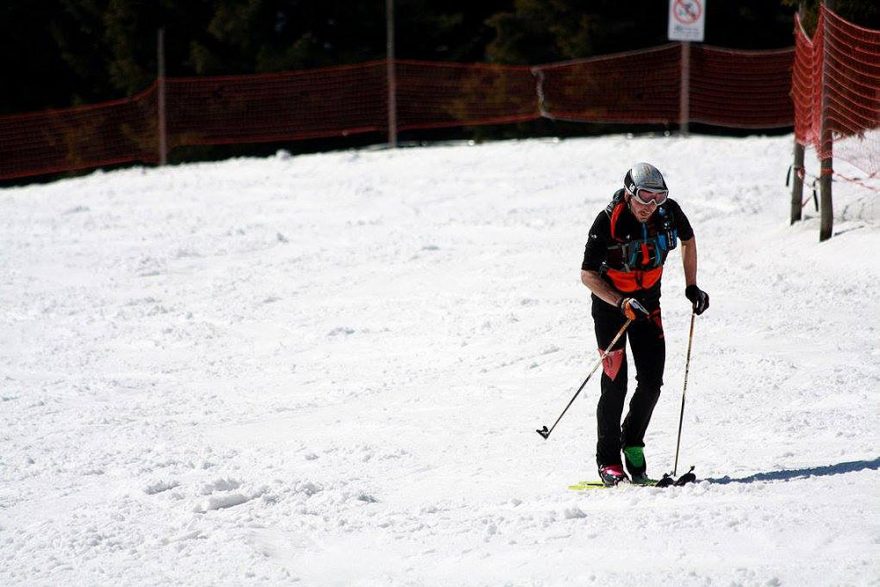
column 644, row 176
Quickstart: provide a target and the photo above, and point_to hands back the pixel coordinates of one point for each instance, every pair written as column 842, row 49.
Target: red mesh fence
column 297, row 105
column 843, row 60
column 433, row 95
column 742, row 89
column 639, row 86
column 54, row 141
column 802, row 86
column 729, row 88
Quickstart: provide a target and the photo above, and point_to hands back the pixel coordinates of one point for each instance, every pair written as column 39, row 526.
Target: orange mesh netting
column 844, row 60
column 742, row 89
column 326, row 102
column 433, row 95
column 121, row 131
column 802, row 86
column 728, row 88
column 638, row 86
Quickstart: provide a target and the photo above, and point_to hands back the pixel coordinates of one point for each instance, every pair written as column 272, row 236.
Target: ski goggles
column 646, row 197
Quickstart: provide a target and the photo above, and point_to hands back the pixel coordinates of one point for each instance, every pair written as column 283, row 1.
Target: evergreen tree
column 540, row 31
column 36, row 74
column 276, row 35
column 543, row 31
column 749, row 24
column 865, row 13
column 58, row 53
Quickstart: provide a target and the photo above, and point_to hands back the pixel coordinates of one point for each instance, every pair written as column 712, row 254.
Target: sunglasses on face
column 647, row 197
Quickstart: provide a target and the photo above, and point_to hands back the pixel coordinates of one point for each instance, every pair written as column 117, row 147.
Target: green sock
column 635, row 455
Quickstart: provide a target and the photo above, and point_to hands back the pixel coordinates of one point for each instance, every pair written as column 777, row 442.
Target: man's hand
column 632, row 308
column 698, row 298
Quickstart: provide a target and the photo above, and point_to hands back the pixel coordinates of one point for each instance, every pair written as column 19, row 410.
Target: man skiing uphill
column 623, row 263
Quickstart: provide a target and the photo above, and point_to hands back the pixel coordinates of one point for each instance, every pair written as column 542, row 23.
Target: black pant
column 649, row 354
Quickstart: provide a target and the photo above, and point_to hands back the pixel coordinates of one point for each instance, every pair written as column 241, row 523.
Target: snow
column 329, row 369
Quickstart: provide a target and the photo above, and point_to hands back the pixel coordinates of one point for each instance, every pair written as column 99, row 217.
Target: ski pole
column 546, row 433
column 687, row 366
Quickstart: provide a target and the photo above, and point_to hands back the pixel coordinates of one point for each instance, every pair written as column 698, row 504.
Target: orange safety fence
column 633, row 87
column 436, row 95
column 741, row 89
column 333, row 101
column 736, row 89
column 836, row 82
column 85, row 137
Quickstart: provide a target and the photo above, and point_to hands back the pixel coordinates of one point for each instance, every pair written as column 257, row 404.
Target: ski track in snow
column 328, row 369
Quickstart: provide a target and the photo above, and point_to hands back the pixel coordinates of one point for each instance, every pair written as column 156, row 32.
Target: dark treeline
column 60, row 53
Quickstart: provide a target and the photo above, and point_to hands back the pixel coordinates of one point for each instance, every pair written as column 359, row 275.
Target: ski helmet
column 644, row 176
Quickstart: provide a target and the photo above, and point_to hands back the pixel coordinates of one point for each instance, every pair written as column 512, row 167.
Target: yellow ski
column 588, row 485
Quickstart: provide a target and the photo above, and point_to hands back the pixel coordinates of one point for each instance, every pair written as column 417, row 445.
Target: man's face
column 644, row 201
column 641, row 211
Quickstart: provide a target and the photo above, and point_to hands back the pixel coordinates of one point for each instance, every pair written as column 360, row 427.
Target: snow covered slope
column 330, row 368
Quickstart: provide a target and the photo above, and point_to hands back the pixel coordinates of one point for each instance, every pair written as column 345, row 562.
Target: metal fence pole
column 685, row 98
column 392, row 74
column 160, row 86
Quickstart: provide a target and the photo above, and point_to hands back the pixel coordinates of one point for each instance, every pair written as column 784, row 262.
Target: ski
column 588, row 485
column 666, row 481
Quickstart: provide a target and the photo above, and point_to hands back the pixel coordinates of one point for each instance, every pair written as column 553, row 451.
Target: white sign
column 687, row 20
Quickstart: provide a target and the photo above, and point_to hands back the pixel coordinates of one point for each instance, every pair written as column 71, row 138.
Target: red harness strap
column 615, row 215
column 630, row 281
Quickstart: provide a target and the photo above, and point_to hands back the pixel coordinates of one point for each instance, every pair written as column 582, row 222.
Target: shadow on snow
column 787, row 475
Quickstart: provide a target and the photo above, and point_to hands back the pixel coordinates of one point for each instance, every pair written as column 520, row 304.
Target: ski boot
column 634, row 457
column 612, row 475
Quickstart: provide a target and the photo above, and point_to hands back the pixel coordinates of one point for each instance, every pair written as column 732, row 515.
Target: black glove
column 698, row 298
column 632, row 309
